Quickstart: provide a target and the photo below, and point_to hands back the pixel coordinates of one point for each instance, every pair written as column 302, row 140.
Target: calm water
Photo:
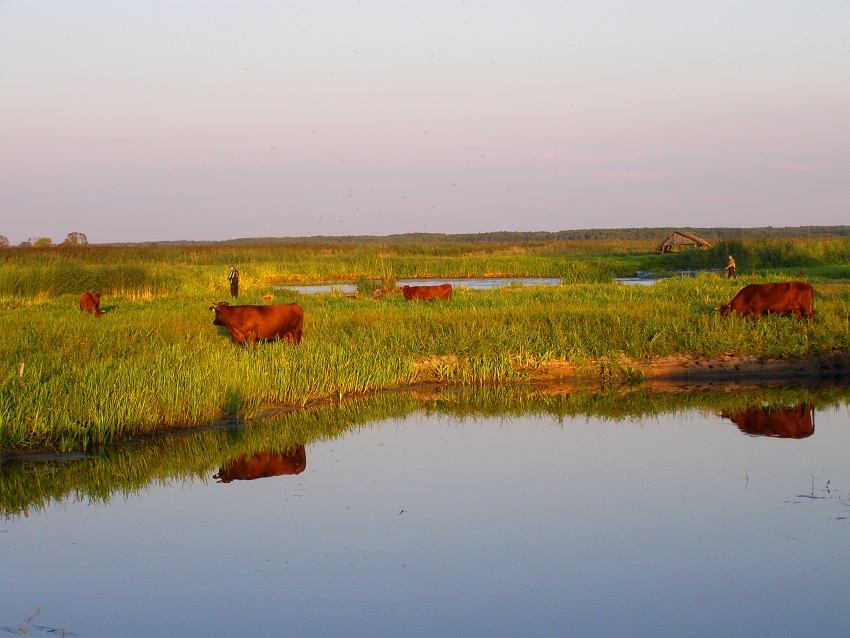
column 641, row 279
column 471, row 283
column 433, row 525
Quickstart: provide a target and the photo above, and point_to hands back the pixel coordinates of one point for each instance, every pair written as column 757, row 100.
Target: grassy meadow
column 70, row 381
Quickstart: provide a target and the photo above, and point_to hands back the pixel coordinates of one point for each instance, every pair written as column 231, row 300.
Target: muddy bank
column 689, row 367
column 683, row 367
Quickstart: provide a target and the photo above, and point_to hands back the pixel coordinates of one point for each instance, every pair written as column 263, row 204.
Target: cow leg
column 237, row 334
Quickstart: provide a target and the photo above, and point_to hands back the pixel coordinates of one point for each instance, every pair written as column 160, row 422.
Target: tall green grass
column 790, row 255
column 155, row 360
column 39, row 273
column 149, row 364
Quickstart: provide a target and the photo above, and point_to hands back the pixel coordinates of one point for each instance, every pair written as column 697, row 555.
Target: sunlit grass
column 155, row 360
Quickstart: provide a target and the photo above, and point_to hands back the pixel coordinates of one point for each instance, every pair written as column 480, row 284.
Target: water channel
column 546, row 510
column 482, row 283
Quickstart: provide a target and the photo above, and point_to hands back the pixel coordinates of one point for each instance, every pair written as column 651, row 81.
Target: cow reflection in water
column 262, row 465
column 796, row 422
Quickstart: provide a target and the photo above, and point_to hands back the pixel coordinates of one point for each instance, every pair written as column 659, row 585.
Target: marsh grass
column 155, row 361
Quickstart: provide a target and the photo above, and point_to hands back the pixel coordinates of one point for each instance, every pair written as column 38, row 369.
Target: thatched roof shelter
column 679, row 240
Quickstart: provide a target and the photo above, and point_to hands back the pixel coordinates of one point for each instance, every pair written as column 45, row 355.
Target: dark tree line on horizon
column 591, row 234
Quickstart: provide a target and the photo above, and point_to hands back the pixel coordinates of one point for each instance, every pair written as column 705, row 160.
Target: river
column 705, row 512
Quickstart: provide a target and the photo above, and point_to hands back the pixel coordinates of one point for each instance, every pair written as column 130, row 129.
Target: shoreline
column 691, row 367
column 683, row 367
column 676, row 373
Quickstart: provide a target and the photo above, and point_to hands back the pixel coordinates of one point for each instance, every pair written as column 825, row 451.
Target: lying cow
column 90, row 302
column 263, row 465
column 427, row 293
column 779, row 299
column 797, row 422
column 260, row 323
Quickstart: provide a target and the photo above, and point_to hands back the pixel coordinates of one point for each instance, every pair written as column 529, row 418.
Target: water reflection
column 277, row 444
column 263, row 465
column 493, row 511
column 796, row 422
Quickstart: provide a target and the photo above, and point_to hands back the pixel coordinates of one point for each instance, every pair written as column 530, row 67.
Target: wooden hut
column 680, row 240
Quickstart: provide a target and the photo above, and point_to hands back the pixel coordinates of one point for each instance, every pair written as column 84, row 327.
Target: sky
column 217, row 119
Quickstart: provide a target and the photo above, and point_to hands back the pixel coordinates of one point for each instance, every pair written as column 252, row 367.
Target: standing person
column 233, row 278
column 731, row 269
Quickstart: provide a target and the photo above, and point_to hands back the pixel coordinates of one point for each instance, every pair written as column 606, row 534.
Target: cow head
column 724, row 310
column 219, row 305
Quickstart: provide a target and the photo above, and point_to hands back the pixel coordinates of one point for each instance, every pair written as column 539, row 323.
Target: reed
column 155, row 361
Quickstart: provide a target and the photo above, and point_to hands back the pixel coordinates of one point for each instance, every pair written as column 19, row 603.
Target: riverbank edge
column 670, row 373
column 686, row 367
column 682, row 367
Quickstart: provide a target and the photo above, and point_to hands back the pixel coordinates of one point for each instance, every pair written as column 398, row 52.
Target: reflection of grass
column 128, row 469
column 154, row 360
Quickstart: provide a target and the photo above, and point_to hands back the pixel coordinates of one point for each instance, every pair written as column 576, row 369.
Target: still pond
column 699, row 512
column 472, row 283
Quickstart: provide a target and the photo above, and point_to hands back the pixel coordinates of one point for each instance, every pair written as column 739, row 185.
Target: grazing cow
column 260, row 323
column 427, row 293
column 263, row 465
column 90, row 302
column 797, row 422
column 779, row 299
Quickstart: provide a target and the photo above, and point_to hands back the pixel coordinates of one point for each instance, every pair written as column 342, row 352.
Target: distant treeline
column 596, row 234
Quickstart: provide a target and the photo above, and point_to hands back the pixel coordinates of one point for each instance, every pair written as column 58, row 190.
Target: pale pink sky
column 218, row 120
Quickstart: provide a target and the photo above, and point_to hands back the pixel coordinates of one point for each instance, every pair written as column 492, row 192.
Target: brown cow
column 780, row 299
column 260, row 323
column 796, row 422
column 427, row 293
column 263, row 465
column 90, row 302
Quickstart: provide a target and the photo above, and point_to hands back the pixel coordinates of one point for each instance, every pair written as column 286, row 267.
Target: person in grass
column 731, row 269
column 233, row 278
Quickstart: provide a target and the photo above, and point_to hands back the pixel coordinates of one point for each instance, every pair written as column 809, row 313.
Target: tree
column 41, row 242
column 76, row 239
column 4, row 242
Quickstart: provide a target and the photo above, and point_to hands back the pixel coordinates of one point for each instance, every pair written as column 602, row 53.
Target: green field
column 155, row 361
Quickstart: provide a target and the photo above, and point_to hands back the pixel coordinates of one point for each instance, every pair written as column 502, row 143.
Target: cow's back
column 781, row 298
column 261, row 323
column 90, row 302
column 427, row 293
